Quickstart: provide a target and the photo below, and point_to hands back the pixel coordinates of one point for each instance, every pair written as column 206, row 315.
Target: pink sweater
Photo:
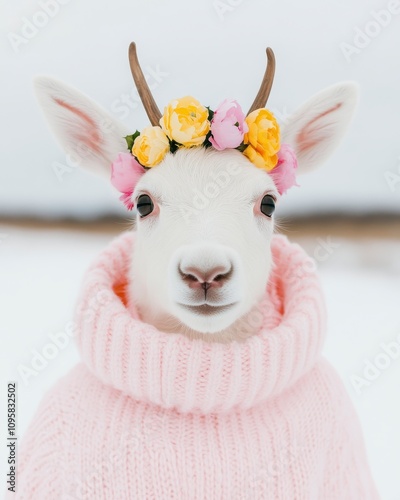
column 151, row 415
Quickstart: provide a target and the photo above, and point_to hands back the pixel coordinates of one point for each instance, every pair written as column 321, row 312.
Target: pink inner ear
column 90, row 136
column 307, row 138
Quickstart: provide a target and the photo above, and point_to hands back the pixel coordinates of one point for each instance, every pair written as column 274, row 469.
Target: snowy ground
column 40, row 273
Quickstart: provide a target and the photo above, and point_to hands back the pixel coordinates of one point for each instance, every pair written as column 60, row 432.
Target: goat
column 198, row 404
column 201, row 261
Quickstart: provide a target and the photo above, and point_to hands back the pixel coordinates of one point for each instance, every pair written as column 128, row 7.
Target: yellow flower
column 185, row 121
column 263, row 139
column 150, row 146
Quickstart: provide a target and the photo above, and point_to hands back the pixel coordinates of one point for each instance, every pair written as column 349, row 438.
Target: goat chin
column 241, row 329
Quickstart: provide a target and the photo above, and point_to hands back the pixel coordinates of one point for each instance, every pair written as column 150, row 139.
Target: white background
column 211, row 52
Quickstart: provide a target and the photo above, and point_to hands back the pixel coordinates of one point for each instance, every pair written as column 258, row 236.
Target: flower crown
column 187, row 123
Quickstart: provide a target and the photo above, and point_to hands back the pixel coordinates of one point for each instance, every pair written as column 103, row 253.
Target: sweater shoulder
column 333, row 386
column 321, row 394
column 57, row 403
column 347, row 466
column 46, row 442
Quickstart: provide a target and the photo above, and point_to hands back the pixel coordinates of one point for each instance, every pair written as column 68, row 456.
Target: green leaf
column 207, row 143
column 174, row 146
column 242, row 147
column 130, row 139
column 210, row 113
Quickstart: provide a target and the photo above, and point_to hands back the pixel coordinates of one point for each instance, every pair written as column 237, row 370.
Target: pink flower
column 125, row 173
column 284, row 174
column 228, row 126
column 126, row 199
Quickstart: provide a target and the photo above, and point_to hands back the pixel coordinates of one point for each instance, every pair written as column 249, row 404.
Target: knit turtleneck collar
column 172, row 371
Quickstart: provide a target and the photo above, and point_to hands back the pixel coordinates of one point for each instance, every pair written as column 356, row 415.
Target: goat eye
column 144, row 205
column 267, row 205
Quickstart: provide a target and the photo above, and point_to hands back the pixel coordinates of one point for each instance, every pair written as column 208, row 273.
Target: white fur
column 197, row 211
column 73, row 132
column 206, row 214
column 317, row 127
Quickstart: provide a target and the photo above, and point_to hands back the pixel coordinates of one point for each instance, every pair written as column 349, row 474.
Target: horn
column 265, row 88
column 145, row 94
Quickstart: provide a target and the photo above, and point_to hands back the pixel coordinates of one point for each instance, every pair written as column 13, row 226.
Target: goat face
column 202, row 249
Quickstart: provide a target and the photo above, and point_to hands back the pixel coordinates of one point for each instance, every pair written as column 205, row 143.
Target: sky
column 213, row 50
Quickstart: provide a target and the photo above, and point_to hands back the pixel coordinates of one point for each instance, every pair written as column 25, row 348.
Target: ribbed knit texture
column 153, row 415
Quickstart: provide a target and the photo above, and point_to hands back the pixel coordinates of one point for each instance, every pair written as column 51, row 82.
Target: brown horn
column 262, row 97
column 145, row 94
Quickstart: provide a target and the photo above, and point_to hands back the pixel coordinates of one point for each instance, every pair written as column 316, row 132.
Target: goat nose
column 206, row 278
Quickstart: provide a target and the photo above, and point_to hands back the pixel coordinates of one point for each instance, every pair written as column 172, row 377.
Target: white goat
column 202, row 256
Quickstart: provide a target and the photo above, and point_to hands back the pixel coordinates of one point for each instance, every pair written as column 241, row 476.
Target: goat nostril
column 189, row 277
column 218, row 279
column 205, row 279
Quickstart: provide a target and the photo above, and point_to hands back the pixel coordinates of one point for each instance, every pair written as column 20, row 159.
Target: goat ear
column 317, row 127
column 85, row 130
